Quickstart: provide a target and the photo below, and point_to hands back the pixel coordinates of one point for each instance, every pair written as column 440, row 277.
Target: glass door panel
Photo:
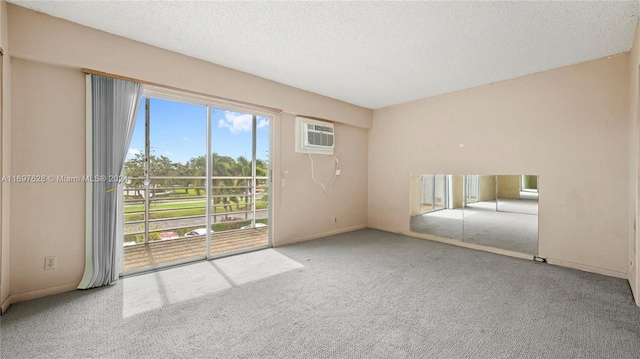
column 427, row 186
column 440, row 192
column 165, row 201
column 239, row 204
column 472, row 189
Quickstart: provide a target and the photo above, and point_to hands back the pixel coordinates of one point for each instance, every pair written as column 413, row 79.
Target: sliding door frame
column 212, row 103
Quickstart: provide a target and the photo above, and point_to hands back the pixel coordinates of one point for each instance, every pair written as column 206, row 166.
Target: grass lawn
column 179, row 209
column 164, row 204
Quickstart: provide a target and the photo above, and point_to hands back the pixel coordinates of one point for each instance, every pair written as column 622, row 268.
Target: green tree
column 222, row 166
column 197, row 167
column 225, row 188
column 243, row 168
column 134, row 170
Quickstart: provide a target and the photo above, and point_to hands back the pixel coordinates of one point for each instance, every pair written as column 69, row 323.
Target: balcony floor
column 139, row 256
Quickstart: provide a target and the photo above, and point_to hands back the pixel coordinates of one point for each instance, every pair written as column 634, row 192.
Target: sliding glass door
column 471, row 189
column 435, row 193
column 239, row 180
column 198, row 183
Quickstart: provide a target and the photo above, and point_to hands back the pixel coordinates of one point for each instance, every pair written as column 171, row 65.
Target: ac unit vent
column 313, row 136
column 320, row 136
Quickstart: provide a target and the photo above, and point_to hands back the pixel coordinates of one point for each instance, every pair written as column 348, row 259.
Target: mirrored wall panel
column 437, row 205
column 498, row 211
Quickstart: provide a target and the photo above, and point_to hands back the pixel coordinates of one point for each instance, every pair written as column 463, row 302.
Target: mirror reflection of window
column 427, row 188
column 482, row 191
column 529, row 187
column 440, row 208
column 435, row 193
column 472, row 189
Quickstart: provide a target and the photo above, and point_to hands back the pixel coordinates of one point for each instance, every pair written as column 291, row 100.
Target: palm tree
column 243, row 168
column 197, row 167
column 222, row 166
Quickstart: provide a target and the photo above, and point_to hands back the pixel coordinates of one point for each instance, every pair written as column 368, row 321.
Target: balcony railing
column 167, row 208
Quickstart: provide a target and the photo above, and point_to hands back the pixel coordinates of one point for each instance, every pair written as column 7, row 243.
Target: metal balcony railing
column 165, row 208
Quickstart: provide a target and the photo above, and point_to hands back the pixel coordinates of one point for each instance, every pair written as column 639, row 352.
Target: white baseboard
column 588, row 268
column 478, row 247
column 5, row 305
column 277, row 243
column 22, row 297
column 553, row 261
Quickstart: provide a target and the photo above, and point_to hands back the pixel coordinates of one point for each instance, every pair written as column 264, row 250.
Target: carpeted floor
column 514, row 227
column 521, row 205
column 364, row 294
column 445, row 223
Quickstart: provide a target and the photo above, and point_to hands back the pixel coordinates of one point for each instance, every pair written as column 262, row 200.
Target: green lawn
column 163, row 204
column 183, row 209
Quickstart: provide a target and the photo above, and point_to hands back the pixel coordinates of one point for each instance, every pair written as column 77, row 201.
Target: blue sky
column 178, row 131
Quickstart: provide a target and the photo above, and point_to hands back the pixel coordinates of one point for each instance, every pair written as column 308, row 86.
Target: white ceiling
column 372, row 54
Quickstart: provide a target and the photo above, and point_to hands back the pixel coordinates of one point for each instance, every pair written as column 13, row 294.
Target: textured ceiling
column 372, row 54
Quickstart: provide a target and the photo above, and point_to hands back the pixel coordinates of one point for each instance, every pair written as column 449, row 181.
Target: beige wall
column 415, row 192
column 5, row 162
column 303, row 208
column 634, row 128
column 458, row 190
column 569, row 125
column 508, row 186
column 48, row 138
column 487, row 188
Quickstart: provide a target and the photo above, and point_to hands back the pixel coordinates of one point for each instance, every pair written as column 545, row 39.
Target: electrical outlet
column 50, row 262
column 539, row 259
column 337, row 172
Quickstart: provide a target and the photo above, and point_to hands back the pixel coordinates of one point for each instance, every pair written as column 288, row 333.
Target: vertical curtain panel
column 112, row 105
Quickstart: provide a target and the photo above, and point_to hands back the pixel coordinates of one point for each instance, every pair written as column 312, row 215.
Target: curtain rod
column 218, row 98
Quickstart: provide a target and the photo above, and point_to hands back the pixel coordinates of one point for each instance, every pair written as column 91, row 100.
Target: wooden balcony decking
column 425, row 208
column 139, row 256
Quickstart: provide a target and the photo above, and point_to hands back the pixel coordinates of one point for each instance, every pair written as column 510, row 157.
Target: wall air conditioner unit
column 314, row 137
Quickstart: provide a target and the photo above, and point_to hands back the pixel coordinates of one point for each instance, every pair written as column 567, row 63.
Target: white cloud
column 263, row 122
column 133, row 152
column 236, row 122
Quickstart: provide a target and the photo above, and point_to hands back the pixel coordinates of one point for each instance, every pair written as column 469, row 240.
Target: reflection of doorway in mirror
column 529, row 186
column 435, row 192
column 480, row 191
column 471, row 189
column 439, row 210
